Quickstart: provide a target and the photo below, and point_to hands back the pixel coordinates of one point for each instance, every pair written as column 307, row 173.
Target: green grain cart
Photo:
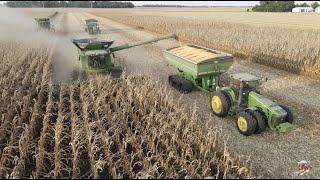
column 97, row 56
column 201, row 68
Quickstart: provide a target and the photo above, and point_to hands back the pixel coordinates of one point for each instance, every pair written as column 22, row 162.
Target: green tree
column 274, row 6
column 303, row 5
column 315, row 5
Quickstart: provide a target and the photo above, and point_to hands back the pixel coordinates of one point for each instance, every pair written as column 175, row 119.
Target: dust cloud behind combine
column 22, row 29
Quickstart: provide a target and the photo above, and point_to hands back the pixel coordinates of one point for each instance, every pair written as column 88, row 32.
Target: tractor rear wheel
column 220, row 104
column 246, row 123
column 261, row 123
column 289, row 117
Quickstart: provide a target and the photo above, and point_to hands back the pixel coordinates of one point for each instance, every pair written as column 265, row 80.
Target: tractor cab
column 249, row 82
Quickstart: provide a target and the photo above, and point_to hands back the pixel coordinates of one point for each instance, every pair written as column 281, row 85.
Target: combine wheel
column 246, row 123
column 289, row 117
column 261, row 123
column 220, row 104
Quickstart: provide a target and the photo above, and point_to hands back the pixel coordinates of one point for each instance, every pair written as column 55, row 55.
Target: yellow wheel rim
column 242, row 124
column 216, row 104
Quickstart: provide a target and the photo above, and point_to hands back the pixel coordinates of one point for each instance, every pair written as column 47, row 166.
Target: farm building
column 302, row 9
column 317, row 10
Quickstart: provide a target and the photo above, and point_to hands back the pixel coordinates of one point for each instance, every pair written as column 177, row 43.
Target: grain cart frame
column 92, row 26
column 97, row 56
column 44, row 23
column 201, row 68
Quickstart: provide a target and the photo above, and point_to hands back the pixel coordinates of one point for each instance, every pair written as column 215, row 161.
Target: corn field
column 100, row 128
column 293, row 50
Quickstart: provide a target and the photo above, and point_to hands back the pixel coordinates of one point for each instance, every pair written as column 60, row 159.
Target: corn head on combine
column 201, row 68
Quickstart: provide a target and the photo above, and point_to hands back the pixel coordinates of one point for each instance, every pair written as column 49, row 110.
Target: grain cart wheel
column 246, row 123
column 186, row 86
column 180, row 84
column 170, row 80
column 220, row 104
column 289, row 117
column 261, row 123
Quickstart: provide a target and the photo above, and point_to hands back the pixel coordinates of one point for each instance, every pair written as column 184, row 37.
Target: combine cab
column 44, row 24
column 92, row 26
column 201, row 68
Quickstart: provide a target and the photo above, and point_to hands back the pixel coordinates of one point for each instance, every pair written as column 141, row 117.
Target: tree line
column 161, row 5
column 74, row 4
column 280, row 6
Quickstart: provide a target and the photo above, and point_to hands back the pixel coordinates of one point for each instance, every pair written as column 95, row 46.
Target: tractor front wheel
column 246, row 123
column 261, row 123
column 220, row 104
column 289, row 117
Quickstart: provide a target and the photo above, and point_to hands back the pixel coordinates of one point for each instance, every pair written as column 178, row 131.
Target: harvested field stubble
column 294, row 50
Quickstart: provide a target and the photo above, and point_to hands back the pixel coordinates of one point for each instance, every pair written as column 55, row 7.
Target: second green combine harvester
column 44, row 24
column 201, row 67
column 92, row 26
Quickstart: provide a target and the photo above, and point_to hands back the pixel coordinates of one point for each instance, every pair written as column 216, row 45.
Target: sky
column 207, row 3
column 199, row 3
column 202, row 3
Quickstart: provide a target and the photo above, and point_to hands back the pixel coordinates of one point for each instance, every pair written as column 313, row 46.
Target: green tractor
column 97, row 56
column 92, row 26
column 44, row 24
column 201, row 68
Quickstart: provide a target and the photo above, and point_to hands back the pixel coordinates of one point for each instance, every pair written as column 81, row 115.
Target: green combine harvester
column 97, row 56
column 92, row 26
column 44, row 24
column 201, row 68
